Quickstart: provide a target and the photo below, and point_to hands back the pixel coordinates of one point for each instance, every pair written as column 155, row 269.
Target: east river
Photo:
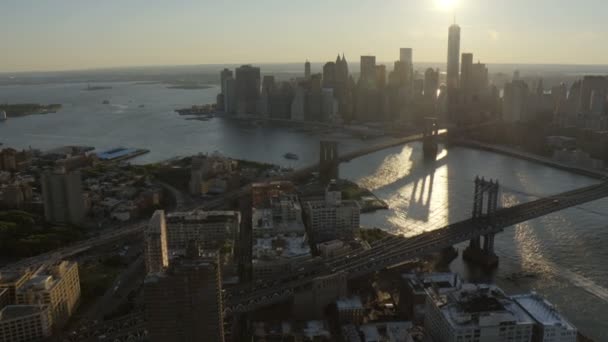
column 564, row 253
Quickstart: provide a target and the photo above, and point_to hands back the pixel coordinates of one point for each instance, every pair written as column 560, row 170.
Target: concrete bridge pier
column 485, row 197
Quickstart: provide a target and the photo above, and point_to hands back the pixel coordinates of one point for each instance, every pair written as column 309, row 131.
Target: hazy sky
column 76, row 34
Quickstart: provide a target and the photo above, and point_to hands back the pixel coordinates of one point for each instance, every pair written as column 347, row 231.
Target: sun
column 446, row 5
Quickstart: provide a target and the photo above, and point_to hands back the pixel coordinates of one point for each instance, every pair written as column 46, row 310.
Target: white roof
column 542, row 311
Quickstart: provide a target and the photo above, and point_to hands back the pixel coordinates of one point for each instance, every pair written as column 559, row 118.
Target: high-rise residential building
column 407, row 65
column 592, row 87
column 184, row 302
column 229, row 95
column 224, row 75
column 307, row 72
column 479, row 78
column 332, row 218
column 453, row 57
column 329, row 75
column 247, row 90
column 431, row 84
column 314, row 101
column 63, row 197
column 515, row 102
column 210, row 229
column 156, row 254
column 298, row 105
column 367, row 76
column 466, row 73
column 406, row 56
column 57, row 286
column 380, row 76
column 25, row 323
column 480, row 313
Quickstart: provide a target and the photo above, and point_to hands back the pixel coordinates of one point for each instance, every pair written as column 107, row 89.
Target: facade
column 184, row 302
column 229, row 86
column 247, row 90
column 63, row 197
column 431, row 84
column 515, row 102
column 156, row 254
column 329, row 75
column 307, row 70
column 8, row 159
column 210, row 229
column 551, row 326
column 325, row 291
column 466, row 73
column 350, row 310
column 57, row 286
column 453, row 57
column 332, row 218
column 476, row 313
column 11, row 281
column 414, row 287
column 25, row 323
column 367, row 76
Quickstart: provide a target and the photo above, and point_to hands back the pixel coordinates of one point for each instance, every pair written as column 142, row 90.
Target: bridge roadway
column 116, row 234
column 395, row 250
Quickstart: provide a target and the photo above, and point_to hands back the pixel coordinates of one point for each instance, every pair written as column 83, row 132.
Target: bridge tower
column 485, row 204
column 329, row 164
column 430, row 146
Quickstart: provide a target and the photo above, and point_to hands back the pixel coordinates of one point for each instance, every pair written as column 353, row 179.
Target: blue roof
column 115, row 153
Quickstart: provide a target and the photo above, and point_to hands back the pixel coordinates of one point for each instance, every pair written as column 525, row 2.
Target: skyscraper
column 247, row 89
column 184, row 303
column 224, row 75
column 431, row 84
column 381, row 76
column 329, row 75
column 406, row 56
column 466, row 74
column 453, row 56
column 341, row 71
column 368, row 71
column 307, row 70
column 407, row 65
column 63, row 197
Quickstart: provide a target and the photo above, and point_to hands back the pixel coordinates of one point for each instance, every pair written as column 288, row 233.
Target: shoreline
column 504, row 150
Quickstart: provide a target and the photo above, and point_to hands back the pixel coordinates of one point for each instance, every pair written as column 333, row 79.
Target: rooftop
column 281, row 246
column 542, row 311
column 479, row 305
column 202, row 216
column 349, row 303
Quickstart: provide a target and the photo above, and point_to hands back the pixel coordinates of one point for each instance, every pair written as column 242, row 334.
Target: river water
column 564, row 251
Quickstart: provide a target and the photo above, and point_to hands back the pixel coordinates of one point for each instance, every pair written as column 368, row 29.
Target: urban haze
column 395, row 171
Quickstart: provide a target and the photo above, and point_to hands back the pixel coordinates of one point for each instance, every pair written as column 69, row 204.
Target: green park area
column 23, row 234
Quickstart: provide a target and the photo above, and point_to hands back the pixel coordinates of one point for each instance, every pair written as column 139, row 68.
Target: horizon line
column 110, row 68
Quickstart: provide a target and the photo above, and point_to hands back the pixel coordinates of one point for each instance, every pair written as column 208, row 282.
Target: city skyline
column 68, row 35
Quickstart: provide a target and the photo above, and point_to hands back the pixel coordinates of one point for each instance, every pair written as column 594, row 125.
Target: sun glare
column 446, row 5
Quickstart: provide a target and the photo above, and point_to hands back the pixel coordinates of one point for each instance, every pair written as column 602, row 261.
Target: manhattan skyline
column 69, row 35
